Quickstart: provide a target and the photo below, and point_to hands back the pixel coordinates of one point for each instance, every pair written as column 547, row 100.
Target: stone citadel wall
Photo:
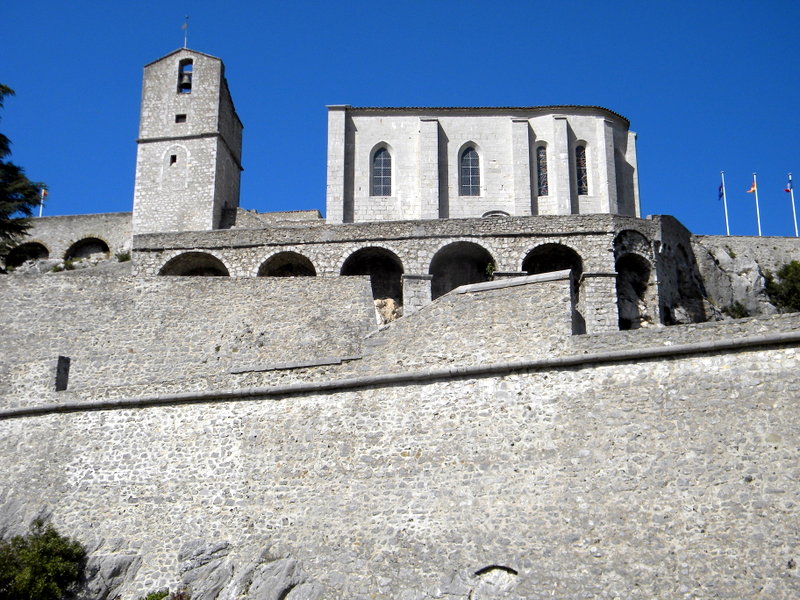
column 615, row 475
column 414, row 246
column 126, row 331
column 416, row 241
column 59, row 234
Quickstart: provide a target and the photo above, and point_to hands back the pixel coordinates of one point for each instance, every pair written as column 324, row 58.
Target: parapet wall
column 57, row 234
column 659, row 477
column 136, row 330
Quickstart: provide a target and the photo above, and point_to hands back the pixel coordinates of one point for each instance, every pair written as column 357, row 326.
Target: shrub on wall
column 783, row 288
column 42, row 565
column 165, row 595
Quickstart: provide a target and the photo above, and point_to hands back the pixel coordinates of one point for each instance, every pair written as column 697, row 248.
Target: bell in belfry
column 185, row 82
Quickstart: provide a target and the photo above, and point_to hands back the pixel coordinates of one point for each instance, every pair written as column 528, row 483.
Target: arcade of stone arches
column 457, row 263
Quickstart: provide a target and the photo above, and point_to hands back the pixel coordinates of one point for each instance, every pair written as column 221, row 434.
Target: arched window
column 470, row 173
column 541, row 171
column 381, row 173
column 581, row 173
column 185, row 76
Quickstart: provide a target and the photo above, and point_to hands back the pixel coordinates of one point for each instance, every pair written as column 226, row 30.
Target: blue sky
column 708, row 86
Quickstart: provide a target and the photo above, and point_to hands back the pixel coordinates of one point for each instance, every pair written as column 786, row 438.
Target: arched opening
column 553, row 257
column 384, row 269
column 457, row 264
column 85, row 248
column 628, row 241
column 195, row 264
column 633, row 278
column 185, row 68
column 287, row 264
column 25, row 252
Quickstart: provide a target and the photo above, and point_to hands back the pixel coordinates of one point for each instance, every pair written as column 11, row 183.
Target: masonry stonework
column 190, row 139
column 426, row 146
column 560, row 411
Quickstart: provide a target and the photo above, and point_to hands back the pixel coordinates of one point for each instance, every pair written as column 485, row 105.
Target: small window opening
column 581, row 171
column 173, row 159
column 541, row 171
column 180, row 118
column 185, row 76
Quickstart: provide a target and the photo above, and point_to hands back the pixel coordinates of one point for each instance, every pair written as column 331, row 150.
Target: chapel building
column 389, row 164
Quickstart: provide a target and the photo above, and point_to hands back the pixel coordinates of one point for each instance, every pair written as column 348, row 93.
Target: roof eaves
column 152, row 62
column 550, row 108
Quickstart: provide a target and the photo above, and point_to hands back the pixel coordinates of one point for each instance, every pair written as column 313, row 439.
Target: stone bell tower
column 189, row 154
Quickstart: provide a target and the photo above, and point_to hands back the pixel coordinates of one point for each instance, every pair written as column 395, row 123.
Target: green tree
column 784, row 290
column 42, row 565
column 18, row 194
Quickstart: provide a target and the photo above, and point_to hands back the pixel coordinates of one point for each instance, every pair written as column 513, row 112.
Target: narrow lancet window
column 185, row 76
column 381, row 173
column 541, row 171
column 470, row 173
column 580, row 171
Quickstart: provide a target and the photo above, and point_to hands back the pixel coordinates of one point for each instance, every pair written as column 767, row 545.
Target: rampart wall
column 58, row 234
column 646, row 476
column 124, row 331
column 415, row 242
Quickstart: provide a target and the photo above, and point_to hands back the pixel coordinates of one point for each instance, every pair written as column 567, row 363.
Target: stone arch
column 493, row 581
column 457, row 264
column 634, row 267
column 633, row 282
column 25, row 252
column 631, row 241
column 554, row 257
column 287, row 264
column 86, row 247
column 384, row 268
column 195, row 264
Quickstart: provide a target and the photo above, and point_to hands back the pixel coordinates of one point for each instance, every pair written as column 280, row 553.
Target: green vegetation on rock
column 41, row 565
column 165, row 595
column 783, row 287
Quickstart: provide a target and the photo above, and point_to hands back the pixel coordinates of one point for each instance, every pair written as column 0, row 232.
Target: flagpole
column 794, row 214
column 758, row 214
column 725, row 203
column 41, row 201
column 185, row 30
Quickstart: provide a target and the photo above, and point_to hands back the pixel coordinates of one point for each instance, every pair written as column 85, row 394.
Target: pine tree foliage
column 18, row 194
column 42, row 565
column 784, row 290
